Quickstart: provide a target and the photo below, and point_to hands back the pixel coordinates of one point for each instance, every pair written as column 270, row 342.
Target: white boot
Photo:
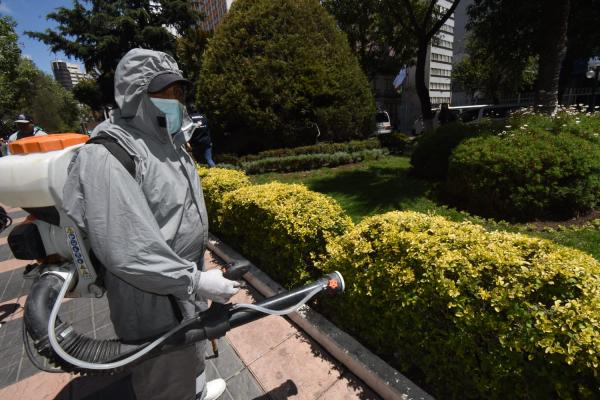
column 214, row 389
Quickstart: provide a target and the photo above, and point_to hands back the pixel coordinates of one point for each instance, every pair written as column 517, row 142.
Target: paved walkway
column 267, row 359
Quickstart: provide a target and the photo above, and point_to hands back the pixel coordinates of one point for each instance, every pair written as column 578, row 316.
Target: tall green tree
column 277, row 70
column 418, row 21
column 399, row 31
column 552, row 51
column 53, row 107
column 368, row 31
column 88, row 92
column 26, row 89
column 190, row 49
column 482, row 70
column 100, row 32
column 10, row 56
column 556, row 33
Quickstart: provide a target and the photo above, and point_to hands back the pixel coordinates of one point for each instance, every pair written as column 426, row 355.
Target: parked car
column 469, row 115
column 383, row 122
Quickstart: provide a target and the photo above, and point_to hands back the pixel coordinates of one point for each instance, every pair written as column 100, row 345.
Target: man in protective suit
column 149, row 232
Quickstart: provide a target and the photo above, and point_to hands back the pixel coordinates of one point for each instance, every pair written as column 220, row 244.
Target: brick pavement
column 267, row 359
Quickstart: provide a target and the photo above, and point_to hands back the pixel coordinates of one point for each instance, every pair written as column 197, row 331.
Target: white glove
column 213, row 286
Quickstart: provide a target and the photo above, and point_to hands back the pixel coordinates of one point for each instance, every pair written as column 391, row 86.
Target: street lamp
column 593, row 73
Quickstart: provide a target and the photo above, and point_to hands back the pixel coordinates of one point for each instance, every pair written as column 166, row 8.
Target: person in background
column 25, row 128
column 445, row 116
column 200, row 141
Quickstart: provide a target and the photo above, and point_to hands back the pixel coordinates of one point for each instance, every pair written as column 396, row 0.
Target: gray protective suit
column 150, row 233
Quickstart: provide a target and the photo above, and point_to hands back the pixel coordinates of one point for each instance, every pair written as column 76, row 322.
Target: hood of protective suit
column 132, row 77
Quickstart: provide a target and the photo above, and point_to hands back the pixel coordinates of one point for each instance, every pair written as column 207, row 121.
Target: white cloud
column 4, row 9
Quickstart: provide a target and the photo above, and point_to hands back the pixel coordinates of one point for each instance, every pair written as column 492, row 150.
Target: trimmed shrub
column 470, row 314
column 216, row 182
column 226, row 158
column 429, row 159
column 321, row 148
column 395, row 142
column 525, row 176
column 274, row 71
column 281, row 227
column 307, row 162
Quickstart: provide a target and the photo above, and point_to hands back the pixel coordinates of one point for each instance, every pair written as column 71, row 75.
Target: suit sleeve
column 108, row 204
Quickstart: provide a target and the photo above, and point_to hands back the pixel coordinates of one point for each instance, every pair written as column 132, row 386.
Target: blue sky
column 31, row 16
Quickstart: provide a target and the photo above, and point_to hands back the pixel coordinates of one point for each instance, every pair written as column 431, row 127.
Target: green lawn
column 375, row 187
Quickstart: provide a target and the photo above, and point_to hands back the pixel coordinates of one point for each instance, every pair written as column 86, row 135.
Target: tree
column 10, row 55
column 52, row 106
column 419, row 21
column 190, row 50
column 100, row 32
column 481, row 70
column 553, row 48
column 555, row 32
column 368, row 31
column 277, row 73
column 88, row 92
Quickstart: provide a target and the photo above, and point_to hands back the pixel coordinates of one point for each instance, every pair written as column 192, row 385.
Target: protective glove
column 212, row 285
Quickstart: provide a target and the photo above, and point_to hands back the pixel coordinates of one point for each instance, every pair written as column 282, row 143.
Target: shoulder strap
column 117, row 151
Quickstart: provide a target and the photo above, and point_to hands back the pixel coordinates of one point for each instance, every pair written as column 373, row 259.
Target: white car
column 384, row 125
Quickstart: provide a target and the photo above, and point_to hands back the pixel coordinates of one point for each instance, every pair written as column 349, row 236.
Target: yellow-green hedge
column 469, row 313
column 281, row 227
column 215, row 183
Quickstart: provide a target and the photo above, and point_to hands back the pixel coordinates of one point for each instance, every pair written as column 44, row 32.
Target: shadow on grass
column 374, row 190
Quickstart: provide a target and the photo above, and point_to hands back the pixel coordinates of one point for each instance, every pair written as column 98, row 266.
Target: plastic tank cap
column 44, row 144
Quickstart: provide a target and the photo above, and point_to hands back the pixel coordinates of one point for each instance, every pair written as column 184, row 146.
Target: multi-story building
column 68, row 75
column 213, row 10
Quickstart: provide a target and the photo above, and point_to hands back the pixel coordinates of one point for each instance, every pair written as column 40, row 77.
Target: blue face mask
column 173, row 111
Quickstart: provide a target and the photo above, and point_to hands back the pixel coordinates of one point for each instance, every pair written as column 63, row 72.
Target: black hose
column 38, row 307
column 5, row 220
column 213, row 323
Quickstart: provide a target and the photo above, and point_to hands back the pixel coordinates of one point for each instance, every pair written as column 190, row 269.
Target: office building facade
column 213, row 10
column 66, row 74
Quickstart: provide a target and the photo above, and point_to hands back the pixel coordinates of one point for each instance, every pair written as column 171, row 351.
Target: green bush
column 395, row 142
column 566, row 120
column 226, row 158
column 307, row 162
column 470, row 314
column 321, row 148
column 429, row 159
column 281, row 228
column 216, row 182
column 273, row 70
column 525, row 176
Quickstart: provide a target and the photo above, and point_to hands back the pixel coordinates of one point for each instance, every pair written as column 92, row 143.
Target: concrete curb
column 377, row 374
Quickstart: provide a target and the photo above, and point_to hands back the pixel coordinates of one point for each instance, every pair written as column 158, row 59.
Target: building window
column 441, row 72
column 439, row 86
column 440, row 100
column 447, row 29
column 444, row 44
column 441, row 58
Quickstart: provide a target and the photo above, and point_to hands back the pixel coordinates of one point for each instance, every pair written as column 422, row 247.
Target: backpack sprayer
column 32, row 178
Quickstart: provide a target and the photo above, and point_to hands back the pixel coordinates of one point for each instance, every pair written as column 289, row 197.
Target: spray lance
column 69, row 271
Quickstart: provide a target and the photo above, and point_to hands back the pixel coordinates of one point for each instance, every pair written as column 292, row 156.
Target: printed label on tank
column 78, row 258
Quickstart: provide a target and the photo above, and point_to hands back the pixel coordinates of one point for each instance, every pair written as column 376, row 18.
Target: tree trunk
column 553, row 48
column 421, row 86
